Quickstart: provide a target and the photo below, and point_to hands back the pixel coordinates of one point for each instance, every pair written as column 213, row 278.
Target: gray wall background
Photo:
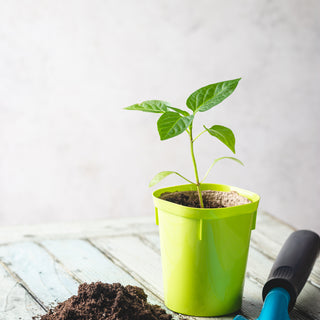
column 67, row 68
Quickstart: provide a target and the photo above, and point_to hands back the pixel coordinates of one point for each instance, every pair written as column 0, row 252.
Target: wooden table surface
column 42, row 265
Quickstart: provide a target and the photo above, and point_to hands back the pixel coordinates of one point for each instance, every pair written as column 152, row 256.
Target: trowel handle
column 294, row 263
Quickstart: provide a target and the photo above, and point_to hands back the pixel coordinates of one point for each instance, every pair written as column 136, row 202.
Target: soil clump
column 103, row 301
column 211, row 198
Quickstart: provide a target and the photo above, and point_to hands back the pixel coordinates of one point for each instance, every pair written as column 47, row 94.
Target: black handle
column 294, row 264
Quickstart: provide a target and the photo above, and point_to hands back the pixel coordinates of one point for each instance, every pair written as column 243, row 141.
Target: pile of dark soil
column 211, row 198
column 103, row 301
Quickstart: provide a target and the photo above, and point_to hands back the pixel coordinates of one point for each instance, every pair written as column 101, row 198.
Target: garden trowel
column 288, row 275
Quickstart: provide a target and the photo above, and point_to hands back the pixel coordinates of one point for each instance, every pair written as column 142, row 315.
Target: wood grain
column 15, row 301
column 77, row 230
column 39, row 272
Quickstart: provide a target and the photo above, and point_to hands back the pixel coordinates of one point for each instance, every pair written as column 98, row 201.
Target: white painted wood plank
column 15, row 301
column 268, row 240
column 88, row 264
column 48, row 281
column 154, row 240
column 80, row 230
column 146, row 263
column 137, row 257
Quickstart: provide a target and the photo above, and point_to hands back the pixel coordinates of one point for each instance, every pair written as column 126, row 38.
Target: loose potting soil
column 211, row 198
column 103, row 301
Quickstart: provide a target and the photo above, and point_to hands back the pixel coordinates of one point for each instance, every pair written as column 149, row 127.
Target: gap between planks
column 15, row 301
column 76, row 230
column 22, row 284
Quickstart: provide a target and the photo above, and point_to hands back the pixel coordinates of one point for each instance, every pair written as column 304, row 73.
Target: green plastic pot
column 204, row 252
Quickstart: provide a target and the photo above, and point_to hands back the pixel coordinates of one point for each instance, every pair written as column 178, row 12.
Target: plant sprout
column 175, row 121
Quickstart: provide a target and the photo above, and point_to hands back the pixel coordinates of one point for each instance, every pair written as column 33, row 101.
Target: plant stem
column 199, row 135
column 195, row 168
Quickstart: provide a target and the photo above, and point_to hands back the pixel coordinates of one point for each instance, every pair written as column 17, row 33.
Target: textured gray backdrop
column 67, row 149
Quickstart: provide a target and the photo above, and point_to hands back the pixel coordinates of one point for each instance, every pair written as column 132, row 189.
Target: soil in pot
column 211, row 198
column 103, row 301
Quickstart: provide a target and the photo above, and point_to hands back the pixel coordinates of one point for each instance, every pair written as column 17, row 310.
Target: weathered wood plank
column 154, row 240
column 15, row 301
column 139, row 258
column 41, row 274
column 114, row 237
column 77, row 230
column 88, row 264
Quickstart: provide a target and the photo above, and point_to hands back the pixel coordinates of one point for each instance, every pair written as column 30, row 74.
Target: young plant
column 175, row 121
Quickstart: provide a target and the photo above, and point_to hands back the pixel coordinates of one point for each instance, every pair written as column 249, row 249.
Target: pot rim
column 206, row 213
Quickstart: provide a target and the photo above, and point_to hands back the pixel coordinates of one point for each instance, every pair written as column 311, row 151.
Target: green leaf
column 154, row 106
column 218, row 159
column 184, row 113
column 171, row 124
column 224, row 134
column 209, row 96
column 163, row 174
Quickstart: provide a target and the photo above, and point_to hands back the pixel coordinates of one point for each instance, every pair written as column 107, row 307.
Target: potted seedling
column 204, row 228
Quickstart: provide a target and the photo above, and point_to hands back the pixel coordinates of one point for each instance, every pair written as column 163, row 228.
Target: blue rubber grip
column 239, row 318
column 275, row 306
column 294, row 264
